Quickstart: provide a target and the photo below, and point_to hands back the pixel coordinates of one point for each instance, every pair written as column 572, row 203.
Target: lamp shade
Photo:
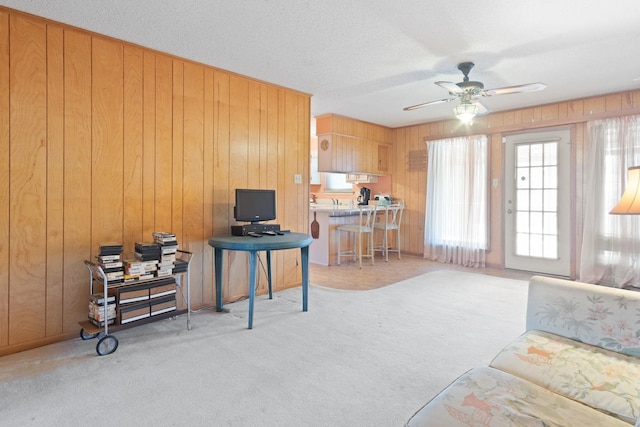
column 629, row 203
column 465, row 112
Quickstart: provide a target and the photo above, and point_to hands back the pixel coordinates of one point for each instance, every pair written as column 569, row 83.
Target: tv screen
column 254, row 205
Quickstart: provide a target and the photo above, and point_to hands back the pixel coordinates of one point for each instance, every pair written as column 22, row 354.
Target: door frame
column 541, row 134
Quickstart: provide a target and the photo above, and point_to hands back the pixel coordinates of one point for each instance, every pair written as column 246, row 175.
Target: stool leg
column 370, row 250
column 359, row 239
column 386, row 245
column 339, row 233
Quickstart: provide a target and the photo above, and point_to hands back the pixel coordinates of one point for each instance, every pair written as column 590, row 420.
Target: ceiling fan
column 469, row 91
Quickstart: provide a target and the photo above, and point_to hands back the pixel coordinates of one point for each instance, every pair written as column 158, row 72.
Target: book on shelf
column 180, row 266
column 99, row 299
column 106, row 259
column 147, row 256
column 98, row 311
column 98, row 278
column 147, row 246
column 109, row 265
column 169, row 258
column 101, row 323
column 161, row 236
column 110, row 248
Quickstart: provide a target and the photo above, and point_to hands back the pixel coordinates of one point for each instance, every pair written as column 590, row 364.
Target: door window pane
column 537, row 199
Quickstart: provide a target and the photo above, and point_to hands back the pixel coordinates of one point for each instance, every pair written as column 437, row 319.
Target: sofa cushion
column 488, row 397
column 599, row 378
column 594, row 314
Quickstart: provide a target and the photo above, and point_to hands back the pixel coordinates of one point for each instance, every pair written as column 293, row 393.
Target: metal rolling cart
column 107, row 343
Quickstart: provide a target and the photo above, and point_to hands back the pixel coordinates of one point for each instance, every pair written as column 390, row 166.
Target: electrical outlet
column 297, row 179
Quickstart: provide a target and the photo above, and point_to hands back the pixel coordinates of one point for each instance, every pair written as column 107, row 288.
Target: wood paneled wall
column 101, row 140
column 411, row 185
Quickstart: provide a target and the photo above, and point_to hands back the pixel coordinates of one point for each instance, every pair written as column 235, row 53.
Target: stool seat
column 390, row 221
column 363, row 227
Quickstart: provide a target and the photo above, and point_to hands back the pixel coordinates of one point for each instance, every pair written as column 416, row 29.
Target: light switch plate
column 297, row 179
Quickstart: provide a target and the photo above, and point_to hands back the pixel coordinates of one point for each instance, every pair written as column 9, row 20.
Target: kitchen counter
column 324, row 249
column 335, row 210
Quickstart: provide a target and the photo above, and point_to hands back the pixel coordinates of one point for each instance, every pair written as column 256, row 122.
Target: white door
column 537, row 202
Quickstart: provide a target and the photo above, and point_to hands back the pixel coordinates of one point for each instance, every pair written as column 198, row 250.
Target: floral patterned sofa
column 577, row 364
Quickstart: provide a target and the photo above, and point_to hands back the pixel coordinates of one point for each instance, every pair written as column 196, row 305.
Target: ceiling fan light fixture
column 465, row 112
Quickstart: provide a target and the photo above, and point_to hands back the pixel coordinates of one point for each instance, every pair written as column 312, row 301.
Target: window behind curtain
column 456, row 224
column 610, row 252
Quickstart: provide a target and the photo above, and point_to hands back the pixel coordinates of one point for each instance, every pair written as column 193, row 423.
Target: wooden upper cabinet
column 351, row 146
column 384, row 152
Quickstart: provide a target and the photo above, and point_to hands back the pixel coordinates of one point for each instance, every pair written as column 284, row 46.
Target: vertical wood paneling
column 273, row 156
column 208, row 293
column 255, row 153
column 4, row 178
column 194, row 161
column 177, row 180
column 107, row 103
column 77, row 175
column 28, row 180
column 55, row 179
column 133, row 147
column 148, row 145
column 290, row 168
column 104, row 141
column 281, row 160
column 222, row 193
column 163, row 147
column 238, row 175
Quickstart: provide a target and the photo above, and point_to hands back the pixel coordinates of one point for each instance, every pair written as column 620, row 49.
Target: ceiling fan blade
column 482, row 109
column 451, row 87
column 439, row 101
column 530, row 87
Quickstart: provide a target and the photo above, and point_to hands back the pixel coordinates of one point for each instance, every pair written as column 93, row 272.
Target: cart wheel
column 101, row 335
column 107, row 345
column 85, row 335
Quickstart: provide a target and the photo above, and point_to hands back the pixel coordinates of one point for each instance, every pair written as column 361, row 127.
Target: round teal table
column 253, row 245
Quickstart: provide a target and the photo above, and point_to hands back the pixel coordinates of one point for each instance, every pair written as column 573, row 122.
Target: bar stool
column 392, row 217
column 364, row 226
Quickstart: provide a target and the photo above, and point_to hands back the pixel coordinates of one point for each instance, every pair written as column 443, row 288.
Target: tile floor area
column 349, row 276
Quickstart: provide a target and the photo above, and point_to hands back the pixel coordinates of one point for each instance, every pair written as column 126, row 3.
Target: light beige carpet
column 356, row 358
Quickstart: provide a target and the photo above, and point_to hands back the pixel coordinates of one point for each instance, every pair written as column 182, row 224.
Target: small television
column 254, row 205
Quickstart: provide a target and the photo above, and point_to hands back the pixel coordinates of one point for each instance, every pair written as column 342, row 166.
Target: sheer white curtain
column 611, row 243
column 456, row 229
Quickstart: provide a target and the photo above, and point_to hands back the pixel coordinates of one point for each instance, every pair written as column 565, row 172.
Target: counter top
column 335, row 210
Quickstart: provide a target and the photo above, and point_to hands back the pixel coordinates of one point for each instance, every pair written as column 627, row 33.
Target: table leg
column 304, row 255
column 252, row 284
column 269, row 274
column 218, row 266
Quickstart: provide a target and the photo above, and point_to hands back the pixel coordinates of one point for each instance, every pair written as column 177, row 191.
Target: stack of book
column 168, row 249
column 147, row 251
column 97, row 312
column 135, row 270
column 180, row 266
column 109, row 260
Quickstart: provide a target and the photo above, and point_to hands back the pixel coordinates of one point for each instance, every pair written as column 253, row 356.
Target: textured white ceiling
column 369, row 59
